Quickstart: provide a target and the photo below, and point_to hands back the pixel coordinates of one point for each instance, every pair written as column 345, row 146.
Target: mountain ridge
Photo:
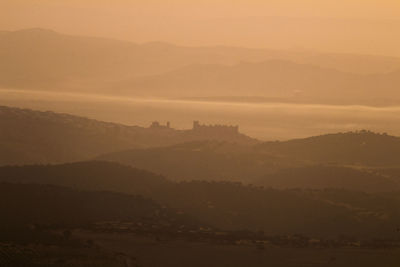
column 271, row 78
column 57, row 61
column 352, row 148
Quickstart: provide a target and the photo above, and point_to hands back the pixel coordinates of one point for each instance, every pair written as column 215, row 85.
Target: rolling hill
column 29, row 136
column 66, row 207
column 208, row 160
column 230, row 206
column 362, row 148
column 322, row 177
column 221, row 161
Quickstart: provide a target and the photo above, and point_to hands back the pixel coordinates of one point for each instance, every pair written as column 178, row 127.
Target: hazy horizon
column 294, row 48
column 365, row 27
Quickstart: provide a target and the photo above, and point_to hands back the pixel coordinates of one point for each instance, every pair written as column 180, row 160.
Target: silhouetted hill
column 58, row 206
column 259, row 165
column 321, row 177
column 230, row 206
column 203, row 160
column 233, row 206
column 94, row 175
column 44, row 59
column 352, row 148
column 214, row 163
column 29, row 136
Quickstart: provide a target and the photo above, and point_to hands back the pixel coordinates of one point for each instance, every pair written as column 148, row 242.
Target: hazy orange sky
column 364, row 26
column 219, row 8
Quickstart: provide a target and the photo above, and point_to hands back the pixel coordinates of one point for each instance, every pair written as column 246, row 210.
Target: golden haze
column 356, row 26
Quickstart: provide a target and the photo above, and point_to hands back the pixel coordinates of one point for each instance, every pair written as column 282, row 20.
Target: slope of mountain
column 321, row 177
column 28, row 136
column 39, row 58
column 363, row 148
column 97, row 176
column 208, row 160
column 60, row 206
column 218, row 161
column 230, row 206
column 34, row 136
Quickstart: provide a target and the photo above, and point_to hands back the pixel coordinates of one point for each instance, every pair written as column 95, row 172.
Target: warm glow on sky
column 374, row 24
column 221, row 8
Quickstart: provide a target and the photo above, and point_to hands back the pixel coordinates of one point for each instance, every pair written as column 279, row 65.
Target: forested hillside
column 228, row 205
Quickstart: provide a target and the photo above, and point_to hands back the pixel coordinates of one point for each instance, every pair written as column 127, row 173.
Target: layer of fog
column 266, row 121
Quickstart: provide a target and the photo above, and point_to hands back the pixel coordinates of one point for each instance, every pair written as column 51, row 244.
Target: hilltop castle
column 203, row 129
column 215, row 129
column 157, row 125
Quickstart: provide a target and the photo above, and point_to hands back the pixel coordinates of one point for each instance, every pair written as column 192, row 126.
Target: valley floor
column 153, row 252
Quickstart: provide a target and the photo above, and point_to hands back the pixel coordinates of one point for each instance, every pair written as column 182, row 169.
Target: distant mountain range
column 273, row 78
column 44, row 59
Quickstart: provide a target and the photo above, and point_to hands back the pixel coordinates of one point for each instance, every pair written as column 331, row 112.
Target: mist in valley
column 263, row 120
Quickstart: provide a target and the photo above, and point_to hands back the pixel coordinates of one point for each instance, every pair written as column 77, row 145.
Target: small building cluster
column 215, row 129
column 157, row 125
